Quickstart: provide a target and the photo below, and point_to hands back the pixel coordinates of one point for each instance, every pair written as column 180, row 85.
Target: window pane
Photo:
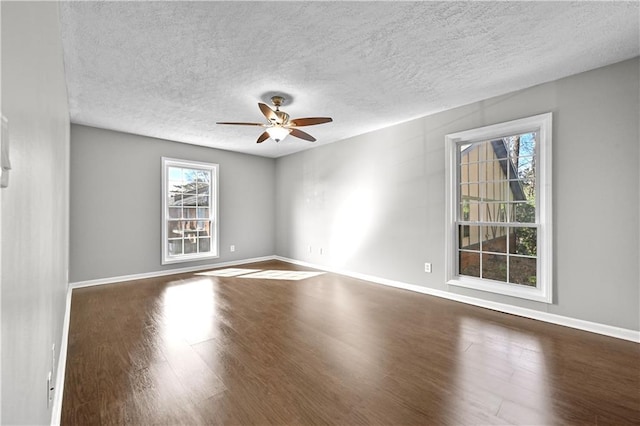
column 175, row 213
column 528, row 186
column 202, row 213
column 522, row 151
column 524, row 166
column 188, row 176
column 486, row 171
column 463, row 173
column 190, row 228
column 203, row 199
column 485, row 151
column 468, row 168
column 190, row 246
column 524, row 189
column 494, row 212
column 189, row 197
column 204, row 177
column 523, row 213
column 499, row 149
column 175, row 247
column 469, row 264
column 474, row 212
column 174, row 229
column 175, row 198
column 522, row 270
column 521, row 145
column 463, row 213
column 493, row 170
column 189, row 212
column 495, row 191
column 494, row 238
column 474, row 172
column 524, row 241
column 204, row 228
column 494, row 267
column 174, row 174
column 204, row 245
column 464, row 191
column 470, row 191
column 469, row 210
column 469, row 237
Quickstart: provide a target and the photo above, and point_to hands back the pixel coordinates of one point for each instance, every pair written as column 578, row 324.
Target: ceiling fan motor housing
column 277, row 101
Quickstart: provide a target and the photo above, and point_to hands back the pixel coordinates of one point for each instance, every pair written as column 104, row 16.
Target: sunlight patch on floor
column 228, row 272
column 257, row 273
column 283, row 275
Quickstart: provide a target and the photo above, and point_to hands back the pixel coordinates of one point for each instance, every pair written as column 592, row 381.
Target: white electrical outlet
column 427, row 267
column 321, row 251
column 232, row 248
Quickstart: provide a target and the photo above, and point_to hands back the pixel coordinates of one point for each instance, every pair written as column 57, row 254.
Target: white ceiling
column 172, row 69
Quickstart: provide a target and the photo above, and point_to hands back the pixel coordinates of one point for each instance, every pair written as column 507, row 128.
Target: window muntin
column 499, row 201
column 189, row 210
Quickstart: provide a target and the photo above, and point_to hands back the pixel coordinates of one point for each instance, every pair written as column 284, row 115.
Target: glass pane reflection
column 522, row 270
column 469, row 263
column 494, row 267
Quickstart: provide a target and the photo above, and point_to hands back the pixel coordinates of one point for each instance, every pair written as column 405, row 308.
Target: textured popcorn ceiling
column 172, row 69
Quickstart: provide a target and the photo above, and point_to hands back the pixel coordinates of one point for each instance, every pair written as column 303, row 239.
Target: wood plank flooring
column 191, row 349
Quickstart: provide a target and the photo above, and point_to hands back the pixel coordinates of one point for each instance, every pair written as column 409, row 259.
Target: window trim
column 542, row 124
column 167, row 259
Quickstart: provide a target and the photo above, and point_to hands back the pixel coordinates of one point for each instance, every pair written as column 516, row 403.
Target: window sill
column 188, row 258
column 514, row 290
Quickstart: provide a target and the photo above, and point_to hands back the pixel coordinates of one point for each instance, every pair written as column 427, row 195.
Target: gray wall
column 116, row 200
column 34, row 209
column 375, row 203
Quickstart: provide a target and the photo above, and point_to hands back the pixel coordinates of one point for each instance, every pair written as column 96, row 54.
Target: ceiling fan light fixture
column 279, row 125
column 278, row 133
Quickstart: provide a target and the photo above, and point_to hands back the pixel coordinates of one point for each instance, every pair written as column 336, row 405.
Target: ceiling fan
column 279, row 125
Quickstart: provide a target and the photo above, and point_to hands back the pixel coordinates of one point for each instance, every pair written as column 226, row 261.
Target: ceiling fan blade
column 310, row 121
column 268, row 112
column 238, row 123
column 263, row 137
column 302, row 135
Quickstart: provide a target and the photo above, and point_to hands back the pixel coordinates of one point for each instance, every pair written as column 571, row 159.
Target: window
column 189, row 211
column 499, row 208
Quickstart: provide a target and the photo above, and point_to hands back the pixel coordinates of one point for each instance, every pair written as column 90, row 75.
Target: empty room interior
column 320, row 213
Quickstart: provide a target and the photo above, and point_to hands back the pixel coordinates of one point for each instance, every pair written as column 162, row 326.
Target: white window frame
column 213, row 211
column 542, row 124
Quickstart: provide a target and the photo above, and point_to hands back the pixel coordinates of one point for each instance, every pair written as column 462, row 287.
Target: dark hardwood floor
column 191, row 349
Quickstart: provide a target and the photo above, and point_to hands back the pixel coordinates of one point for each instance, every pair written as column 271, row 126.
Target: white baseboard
column 56, row 412
column 593, row 327
column 122, row 278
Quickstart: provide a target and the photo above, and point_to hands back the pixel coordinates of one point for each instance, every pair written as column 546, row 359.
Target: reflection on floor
column 257, row 273
column 214, row 350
